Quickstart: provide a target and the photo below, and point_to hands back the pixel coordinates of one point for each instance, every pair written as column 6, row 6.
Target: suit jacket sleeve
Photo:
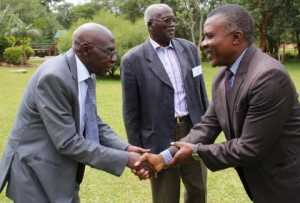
column 131, row 103
column 54, row 103
column 270, row 102
column 108, row 137
column 207, row 130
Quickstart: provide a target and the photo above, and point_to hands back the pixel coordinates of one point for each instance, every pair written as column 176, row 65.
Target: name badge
column 197, row 71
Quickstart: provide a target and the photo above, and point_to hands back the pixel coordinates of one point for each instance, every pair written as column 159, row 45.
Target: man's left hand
column 132, row 148
column 185, row 151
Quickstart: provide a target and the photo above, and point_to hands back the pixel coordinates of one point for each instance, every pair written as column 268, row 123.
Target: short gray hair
column 237, row 18
column 150, row 11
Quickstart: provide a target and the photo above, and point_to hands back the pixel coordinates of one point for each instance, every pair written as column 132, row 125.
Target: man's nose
column 114, row 58
column 172, row 23
column 203, row 44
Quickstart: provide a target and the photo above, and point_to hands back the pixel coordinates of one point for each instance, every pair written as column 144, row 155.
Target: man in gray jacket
column 163, row 97
column 57, row 130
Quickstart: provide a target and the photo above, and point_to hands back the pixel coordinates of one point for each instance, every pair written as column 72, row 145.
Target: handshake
column 146, row 165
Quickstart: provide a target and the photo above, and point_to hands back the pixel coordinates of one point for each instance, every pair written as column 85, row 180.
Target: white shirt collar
column 82, row 72
column 156, row 45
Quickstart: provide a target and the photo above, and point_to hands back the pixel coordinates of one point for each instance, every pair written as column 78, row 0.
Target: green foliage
column 30, row 14
column 68, row 14
column 13, row 55
column 18, row 54
column 133, row 9
column 27, row 51
column 127, row 34
column 4, row 43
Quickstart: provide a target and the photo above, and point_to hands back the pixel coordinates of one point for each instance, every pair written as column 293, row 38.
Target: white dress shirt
column 169, row 59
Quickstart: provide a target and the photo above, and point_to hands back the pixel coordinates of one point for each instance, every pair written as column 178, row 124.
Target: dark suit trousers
column 166, row 186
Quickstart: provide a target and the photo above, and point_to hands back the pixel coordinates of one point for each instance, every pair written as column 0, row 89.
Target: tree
column 49, row 3
column 132, row 9
column 294, row 19
column 64, row 15
column 270, row 21
column 32, row 12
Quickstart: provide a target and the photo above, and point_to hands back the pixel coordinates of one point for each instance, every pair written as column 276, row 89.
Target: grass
column 223, row 186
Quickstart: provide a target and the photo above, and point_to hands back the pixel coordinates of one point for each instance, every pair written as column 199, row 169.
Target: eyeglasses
column 111, row 52
column 168, row 20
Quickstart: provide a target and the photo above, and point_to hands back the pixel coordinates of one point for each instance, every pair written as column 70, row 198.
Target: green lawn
column 223, row 186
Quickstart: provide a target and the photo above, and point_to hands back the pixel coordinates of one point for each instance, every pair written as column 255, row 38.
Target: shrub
column 4, row 43
column 13, row 55
column 27, row 51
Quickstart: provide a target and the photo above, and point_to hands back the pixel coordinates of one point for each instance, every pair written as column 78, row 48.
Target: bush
column 127, row 34
column 28, row 51
column 13, row 55
column 18, row 54
column 4, row 43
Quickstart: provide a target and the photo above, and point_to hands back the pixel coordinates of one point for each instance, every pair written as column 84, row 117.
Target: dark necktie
column 228, row 80
column 91, row 127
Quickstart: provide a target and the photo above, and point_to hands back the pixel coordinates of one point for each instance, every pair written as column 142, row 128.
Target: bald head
column 94, row 45
column 90, row 33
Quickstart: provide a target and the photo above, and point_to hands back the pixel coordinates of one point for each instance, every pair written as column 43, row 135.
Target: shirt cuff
column 167, row 156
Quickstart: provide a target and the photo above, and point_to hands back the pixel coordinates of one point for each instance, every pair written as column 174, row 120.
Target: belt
column 182, row 119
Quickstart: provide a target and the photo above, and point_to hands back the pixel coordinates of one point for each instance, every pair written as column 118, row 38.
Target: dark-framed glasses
column 108, row 51
column 167, row 20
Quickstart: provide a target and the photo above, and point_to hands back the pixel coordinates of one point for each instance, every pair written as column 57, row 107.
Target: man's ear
column 149, row 25
column 237, row 37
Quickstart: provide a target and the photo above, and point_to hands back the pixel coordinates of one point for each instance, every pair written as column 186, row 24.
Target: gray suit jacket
column 45, row 139
column 148, row 95
column 261, row 122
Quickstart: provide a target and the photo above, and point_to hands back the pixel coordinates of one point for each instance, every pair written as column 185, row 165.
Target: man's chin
column 101, row 73
column 213, row 63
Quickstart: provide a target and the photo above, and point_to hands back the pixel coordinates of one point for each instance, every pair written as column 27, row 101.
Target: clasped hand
column 147, row 165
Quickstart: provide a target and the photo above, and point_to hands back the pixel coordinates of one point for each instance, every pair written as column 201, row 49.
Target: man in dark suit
column 255, row 104
column 57, row 130
column 163, row 97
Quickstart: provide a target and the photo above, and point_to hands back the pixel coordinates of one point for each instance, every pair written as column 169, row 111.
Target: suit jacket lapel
column 240, row 75
column 155, row 64
column 182, row 58
column 239, row 81
column 71, row 61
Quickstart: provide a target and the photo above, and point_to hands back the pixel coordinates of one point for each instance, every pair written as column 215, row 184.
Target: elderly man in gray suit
column 57, row 130
column 163, row 97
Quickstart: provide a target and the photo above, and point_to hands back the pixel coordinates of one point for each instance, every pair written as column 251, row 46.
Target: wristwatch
column 194, row 148
column 195, row 154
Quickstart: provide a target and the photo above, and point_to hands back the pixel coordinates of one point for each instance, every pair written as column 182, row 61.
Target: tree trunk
column 263, row 27
column 266, row 16
column 298, row 43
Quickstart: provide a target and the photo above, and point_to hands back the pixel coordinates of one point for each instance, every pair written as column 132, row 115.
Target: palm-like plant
column 16, row 31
